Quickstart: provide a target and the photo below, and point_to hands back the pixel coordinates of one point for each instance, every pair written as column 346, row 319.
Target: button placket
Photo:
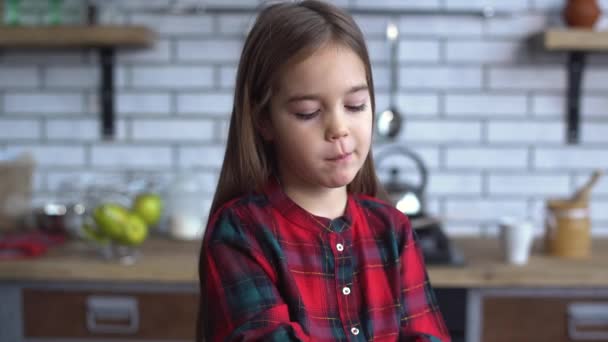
column 344, row 282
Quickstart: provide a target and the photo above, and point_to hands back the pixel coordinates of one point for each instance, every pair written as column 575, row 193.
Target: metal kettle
column 407, row 197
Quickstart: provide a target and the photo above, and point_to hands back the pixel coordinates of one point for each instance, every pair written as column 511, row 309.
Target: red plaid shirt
column 271, row 271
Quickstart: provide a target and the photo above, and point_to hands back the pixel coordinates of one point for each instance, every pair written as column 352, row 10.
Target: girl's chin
column 338, row 181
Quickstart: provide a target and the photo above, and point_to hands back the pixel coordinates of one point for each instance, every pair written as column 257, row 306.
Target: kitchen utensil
column 568, row 228
column 408, row 198
column 583, row 193
column 57, row 218
column 568, row 223
column 389, row 121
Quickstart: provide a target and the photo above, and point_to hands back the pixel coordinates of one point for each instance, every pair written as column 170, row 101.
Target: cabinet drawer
column 556, row 319
column 109, row 315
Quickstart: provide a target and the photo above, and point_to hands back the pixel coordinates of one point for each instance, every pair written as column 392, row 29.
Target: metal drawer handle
column 113, row 315
column 588, row 315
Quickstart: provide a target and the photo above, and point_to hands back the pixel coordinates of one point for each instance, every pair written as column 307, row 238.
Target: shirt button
column 354, row 330
column 340, row 247
column 346, row 290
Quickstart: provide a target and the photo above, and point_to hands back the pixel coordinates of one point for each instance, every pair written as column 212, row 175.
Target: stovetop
column 436, row 246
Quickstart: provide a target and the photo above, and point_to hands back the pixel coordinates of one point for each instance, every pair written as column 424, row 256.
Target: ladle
column 389, row 121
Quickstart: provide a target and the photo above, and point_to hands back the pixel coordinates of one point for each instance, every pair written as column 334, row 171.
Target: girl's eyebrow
column 303, row 97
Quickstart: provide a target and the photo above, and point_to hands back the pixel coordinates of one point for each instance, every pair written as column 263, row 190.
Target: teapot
column 407, row 197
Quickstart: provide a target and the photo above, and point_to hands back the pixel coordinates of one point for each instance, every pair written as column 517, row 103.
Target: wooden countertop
column 167, row 261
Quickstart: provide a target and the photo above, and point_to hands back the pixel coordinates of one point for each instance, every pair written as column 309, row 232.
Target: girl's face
column 321, row 119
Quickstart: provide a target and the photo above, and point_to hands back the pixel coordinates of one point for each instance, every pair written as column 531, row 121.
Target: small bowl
column 53, row 218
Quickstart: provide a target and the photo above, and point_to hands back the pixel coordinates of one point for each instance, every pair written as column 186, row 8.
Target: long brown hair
column 282, row 33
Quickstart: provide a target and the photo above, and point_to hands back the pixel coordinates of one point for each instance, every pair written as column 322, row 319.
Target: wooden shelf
column 576, row 40
column 577, row 43
column 105, row 39
column 75, row 36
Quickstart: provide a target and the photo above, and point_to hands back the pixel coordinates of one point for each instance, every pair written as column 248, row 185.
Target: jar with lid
column 186, row 204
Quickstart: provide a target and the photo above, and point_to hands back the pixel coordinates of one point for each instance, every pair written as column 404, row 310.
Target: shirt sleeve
column 421, row 320
column 239, row 297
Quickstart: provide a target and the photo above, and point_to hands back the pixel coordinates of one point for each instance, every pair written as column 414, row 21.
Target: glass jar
column 186, row 207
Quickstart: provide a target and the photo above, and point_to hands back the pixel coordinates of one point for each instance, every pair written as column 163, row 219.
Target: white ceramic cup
column 516, row 239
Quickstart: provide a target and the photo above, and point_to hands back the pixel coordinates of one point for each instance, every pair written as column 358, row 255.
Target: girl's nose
column 336, row 127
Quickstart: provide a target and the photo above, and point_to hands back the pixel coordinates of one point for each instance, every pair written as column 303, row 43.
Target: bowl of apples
column 118, row 222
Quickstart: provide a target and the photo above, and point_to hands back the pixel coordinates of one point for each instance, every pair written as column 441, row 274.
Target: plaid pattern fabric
column 271, row 271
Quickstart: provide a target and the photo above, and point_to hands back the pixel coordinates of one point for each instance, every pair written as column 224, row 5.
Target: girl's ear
column 264, row 126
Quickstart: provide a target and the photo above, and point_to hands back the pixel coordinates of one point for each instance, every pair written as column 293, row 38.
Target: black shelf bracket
column 576, row 67
column 106, row 92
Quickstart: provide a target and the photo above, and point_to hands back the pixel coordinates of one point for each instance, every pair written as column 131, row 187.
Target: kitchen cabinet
column 73, row 295
column 557, row 315
column 100, row 312
column 82, row 314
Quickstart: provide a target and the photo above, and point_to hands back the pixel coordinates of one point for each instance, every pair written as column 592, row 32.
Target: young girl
column 298, row 247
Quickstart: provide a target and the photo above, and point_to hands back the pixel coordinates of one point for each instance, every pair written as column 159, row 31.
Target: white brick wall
column 571, row 158
column 19, row 129
column 396, row 4
column 57, row 155
column 442, row 131
column 513, row 5
column 209, row 50
column 208, row 103
column 172, row 130
column 484, row 106
column 128, row 102
column 539, row 184
column 486, row 158
column 131, row 156
column 519, row 26
column 539, row 77
column 19, row 77
column 525, row 132
column 77, row 77
column 160, row 52
column 440, row 26
column 442, row 77
column 77, row 129
column 178, row 77
column 43, row 103
column 474, row 52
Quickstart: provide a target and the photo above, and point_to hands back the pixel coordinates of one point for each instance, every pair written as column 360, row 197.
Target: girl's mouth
column 341, row 157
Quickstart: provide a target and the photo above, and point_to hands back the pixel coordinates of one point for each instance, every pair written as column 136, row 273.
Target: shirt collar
column 299, row 216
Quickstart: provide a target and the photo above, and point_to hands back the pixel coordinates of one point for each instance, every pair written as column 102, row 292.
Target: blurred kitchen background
column 484, row 106
column 484, row 102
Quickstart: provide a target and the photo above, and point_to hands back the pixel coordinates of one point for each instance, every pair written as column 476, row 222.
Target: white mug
column 516, row 239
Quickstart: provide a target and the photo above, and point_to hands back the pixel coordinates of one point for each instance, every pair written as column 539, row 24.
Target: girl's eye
column 306, row 116
column 359, row 108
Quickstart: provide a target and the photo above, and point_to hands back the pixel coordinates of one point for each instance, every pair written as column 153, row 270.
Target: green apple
column 111, row 218
column 92, row 234
column 135, row 231
column 149, row 207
